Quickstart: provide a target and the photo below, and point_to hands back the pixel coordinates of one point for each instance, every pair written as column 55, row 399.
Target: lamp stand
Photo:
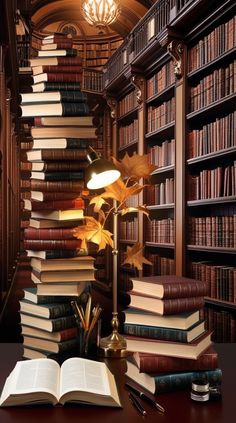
column 114, row 345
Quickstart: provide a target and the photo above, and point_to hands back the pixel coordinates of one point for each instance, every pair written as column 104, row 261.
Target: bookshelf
column 210, row 168
column 186, row 121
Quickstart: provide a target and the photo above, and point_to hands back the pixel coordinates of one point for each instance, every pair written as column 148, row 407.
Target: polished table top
column 178, row 405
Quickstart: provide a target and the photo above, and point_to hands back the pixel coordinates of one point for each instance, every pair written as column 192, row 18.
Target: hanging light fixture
column 100, row 13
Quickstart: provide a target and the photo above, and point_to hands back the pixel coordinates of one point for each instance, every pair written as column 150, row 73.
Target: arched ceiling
column 50, row 16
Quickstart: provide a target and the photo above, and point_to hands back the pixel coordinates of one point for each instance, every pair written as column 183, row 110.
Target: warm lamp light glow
column 100, row 13
column 100, row 172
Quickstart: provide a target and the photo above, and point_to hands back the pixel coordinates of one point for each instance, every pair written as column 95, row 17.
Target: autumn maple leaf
column 135, row 166
column 93, row 231
column 120, row 191
column 134, row 256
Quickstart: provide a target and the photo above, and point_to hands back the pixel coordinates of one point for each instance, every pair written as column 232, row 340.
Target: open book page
column 86, row 376
column 28, row 377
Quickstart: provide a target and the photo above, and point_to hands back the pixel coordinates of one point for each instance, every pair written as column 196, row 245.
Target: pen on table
column 137, row 404
column 145, row 397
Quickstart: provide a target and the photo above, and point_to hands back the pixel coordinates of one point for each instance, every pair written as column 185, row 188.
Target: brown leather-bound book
column 77, row 203
column 59, row 244
column 55, row 61
column 154, row 363
column 57, row 77
column 49, row 233
column 53, row 69
column 161, row 306
column 57, row 166
column 167, row 286
column 51, row 196
column 37, row 185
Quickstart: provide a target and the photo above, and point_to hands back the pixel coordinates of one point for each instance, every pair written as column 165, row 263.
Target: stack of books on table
column 164, row 330
column 62, row 131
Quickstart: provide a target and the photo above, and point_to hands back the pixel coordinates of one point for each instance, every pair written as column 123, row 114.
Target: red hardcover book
column 153, row 363
column 56, row 154
column 56, row 61
column 59, row 244
column 51, row 234
column 57, row 77
column 60, row 44
column 37, row 185
column 58, row 336
column 60, row 69
column 77, row 203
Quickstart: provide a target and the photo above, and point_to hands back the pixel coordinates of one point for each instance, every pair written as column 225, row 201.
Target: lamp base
column 114, row 345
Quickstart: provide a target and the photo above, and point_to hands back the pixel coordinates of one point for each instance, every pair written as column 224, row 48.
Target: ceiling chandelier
column 100, row 13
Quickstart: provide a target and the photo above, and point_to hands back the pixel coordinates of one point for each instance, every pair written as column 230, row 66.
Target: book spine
column 71, row 154
column 69, row 61
column 180, row 305
column 63, row 166
column 62, row 69
column 60, row 310
column 63, row 176
column 58, row 204
column 74, row 109
column 68, row 334
column 58, row 86
column 185, row 289
column 57, row 186
column 57, row 254
column 179, row 381
column 163, row 364
column 63, row 323
column 67, row 345
column 52, row 234
column 63, row 77
column 52, row 196
column 166, row 334
column 65, row 244
column 73, row 96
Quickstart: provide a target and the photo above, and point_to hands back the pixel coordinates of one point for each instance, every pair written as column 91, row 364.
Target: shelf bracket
column 138, row 82
column 112, row 103
column 176, row 49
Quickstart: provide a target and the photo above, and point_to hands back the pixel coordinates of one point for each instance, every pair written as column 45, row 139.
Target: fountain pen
column 145, row 397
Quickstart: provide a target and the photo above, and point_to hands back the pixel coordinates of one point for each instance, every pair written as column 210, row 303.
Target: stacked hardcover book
column 164, row 329
column 61, row 132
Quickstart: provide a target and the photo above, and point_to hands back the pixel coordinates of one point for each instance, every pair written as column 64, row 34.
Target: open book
column 44, row 381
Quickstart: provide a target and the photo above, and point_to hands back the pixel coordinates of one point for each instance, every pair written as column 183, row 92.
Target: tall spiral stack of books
column 61, row 132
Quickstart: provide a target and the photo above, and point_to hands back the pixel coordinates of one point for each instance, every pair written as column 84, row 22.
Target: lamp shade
column 100, row 172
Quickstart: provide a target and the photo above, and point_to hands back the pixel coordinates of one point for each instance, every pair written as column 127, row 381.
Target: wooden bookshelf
column 188, row 98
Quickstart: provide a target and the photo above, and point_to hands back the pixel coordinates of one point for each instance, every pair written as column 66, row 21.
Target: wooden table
column 179, row 407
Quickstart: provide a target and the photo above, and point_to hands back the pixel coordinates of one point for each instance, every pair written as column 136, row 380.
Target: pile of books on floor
column 164, row 330
column 61, row 132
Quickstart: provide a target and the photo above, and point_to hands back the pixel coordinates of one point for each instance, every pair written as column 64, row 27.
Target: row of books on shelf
column 128, row 133
column 164, row 328
column 213, row 183
column 161, row 231
column 212, row 45
column 128, row 103
column 161, row 80
column 129, row 229
column 158, row 116
column 162, row 193
column 212, row 137
column 161, row 265
column 164, row 154
column 221, row 279
column 213, row 231
column 213, row 87
column 222, row 323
